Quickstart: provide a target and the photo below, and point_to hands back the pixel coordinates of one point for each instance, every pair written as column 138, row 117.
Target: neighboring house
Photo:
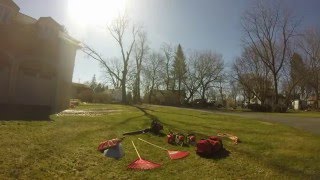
column 114, row 94
column 270, row 99
column 299, row 104
column 312, row 100
column 166, row 97
column 82, row 92
column 36, row 63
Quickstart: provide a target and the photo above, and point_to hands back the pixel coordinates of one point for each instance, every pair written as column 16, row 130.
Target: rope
column 153, row 144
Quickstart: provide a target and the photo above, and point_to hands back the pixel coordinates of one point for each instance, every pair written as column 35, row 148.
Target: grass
column 66, row 146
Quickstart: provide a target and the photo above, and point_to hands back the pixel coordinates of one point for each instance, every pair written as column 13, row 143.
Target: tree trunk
column 221, row 94
column 138, row 89
column 203, row 93
column 276, row 100
column 151, row 91
column 123, row 86
column 316, row 102
column 179, row 90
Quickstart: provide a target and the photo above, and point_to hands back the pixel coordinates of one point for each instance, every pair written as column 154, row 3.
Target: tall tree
column 191, row 83
column 294, row 76
column 209, row 69
column 311, row 47
column 93, row 83
column 180, row 68
column 140, row 50
column 169, row 55
column 252, row 75
column 153, row 72
column 234, row 90
column 269, row 29
column 118, row 29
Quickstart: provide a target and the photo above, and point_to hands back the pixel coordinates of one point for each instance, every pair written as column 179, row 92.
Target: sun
column 95, row 12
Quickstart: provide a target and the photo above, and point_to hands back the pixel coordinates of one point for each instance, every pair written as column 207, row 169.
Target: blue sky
column 195, row 24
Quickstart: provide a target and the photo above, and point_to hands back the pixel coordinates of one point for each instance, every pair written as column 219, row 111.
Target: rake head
column 141, row 164
column 177, row 154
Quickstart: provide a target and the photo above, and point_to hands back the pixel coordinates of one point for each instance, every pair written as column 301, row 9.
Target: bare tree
column 118, row 29
column 192, row 81
column 293, row 75
column 111, row 66
column 234, row 90
column 153, row 72
column 252, row 75
column 113, row 76
column 311, row 47
column 209, row 68
column 141, row 49
column 269, row 29
column 169, row 55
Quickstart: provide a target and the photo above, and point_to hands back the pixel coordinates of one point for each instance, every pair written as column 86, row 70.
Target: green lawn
column 66, row 147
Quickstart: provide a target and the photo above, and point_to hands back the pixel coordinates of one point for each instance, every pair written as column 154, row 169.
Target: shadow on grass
column 223, row 153
column 152, row 118
column 20, row 112
column 128, row 119
column 25, row 118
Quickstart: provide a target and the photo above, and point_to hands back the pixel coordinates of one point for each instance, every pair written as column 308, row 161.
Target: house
column 298, row 104
column 165, row 97
column 82, row 92
column 36, row 64
column 114, row 94
column 312, row 100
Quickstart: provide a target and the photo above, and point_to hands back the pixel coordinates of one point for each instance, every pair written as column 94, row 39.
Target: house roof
column 11, row 4
column 51, row 21
column 25, row 19
column 69, row 39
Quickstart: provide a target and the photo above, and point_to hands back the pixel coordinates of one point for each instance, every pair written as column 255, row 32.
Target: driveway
column 304, row 123
column 309, row 124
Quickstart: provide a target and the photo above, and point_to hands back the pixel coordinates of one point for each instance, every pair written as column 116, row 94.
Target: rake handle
column 136, row 150
column 153, row 144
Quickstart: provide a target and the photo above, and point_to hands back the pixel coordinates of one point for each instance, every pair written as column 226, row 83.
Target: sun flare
column 95, row 12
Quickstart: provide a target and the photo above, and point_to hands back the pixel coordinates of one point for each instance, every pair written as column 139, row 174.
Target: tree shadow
column 18, row 117
column 152, row 118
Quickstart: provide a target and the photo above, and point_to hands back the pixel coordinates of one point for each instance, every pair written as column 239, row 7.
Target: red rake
column 141, row 164
column 172, row 154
